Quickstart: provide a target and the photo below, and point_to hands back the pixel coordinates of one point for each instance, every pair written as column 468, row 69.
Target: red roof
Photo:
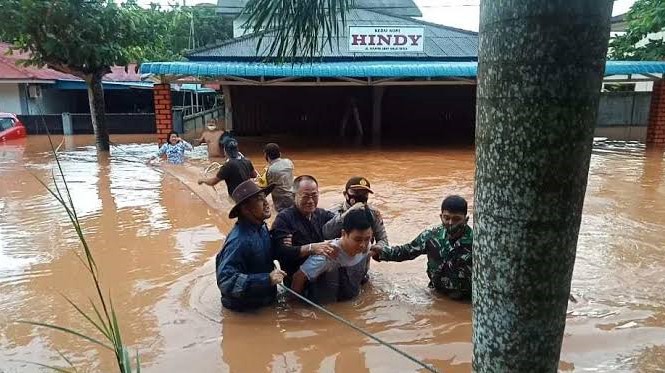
column 10, row 71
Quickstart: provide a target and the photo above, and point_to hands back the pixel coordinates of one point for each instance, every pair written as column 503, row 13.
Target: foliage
column 89, row 36
column 102, row 314
column 306, row 26
column 175, row 25
column 645, row 17
column 79, row 37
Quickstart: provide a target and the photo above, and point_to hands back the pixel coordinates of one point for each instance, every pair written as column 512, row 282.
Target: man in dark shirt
column 234, row 171
column 244, row 266
column 297, row 231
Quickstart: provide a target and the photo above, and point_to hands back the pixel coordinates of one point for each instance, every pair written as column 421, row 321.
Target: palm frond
column 297, row 28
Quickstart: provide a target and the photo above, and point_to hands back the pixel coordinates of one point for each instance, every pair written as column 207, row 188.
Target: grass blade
column 67, row 360
column 103, row 330
column 66, row 330
column 57, row 369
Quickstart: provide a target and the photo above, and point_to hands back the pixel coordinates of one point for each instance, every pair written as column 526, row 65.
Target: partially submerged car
column 11, row 127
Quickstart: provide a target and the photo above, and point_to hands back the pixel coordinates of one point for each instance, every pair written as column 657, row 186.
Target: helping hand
column 375, row 252
column 277, row 276
column 325, row 249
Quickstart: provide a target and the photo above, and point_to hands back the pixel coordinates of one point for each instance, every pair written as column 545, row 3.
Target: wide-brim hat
column 246, row 190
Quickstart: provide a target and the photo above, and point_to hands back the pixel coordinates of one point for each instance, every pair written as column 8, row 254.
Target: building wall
column 52, row 101
column 10, row 98
column 238, row 30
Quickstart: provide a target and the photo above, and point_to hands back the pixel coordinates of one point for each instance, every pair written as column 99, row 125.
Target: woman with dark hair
column 174, row 149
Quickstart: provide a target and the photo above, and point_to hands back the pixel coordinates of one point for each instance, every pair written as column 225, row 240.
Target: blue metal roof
column 360, row 69
column 81, row 85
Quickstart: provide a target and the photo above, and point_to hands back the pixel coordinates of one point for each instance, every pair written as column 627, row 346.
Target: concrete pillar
column 377, row 98
column 656, row 129
column 228, row 108
column 163, row 113
column 67, row 126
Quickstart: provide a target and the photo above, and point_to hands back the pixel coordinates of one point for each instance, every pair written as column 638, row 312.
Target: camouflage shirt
column 448, row 263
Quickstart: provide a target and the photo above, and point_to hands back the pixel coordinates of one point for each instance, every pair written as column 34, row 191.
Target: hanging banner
column 395, row 39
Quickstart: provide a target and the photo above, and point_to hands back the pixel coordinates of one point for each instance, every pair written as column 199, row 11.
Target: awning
column 81, row 85
column 359, row 69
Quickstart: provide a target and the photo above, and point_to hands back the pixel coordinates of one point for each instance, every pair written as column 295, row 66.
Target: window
column 6, row 123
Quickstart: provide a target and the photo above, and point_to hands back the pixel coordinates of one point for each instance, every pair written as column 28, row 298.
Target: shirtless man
column 211, row 137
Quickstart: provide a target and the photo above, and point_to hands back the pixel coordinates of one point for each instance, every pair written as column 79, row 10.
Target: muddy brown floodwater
column 155, row 234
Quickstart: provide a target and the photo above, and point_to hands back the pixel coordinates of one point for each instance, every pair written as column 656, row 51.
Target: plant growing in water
column 103, row 316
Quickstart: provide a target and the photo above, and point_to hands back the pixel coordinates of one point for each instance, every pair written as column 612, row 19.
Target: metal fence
column 117, row 123
column 624, row 109
column 195, row 123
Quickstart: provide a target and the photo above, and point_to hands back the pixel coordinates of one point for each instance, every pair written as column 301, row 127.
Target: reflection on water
column 155, row 232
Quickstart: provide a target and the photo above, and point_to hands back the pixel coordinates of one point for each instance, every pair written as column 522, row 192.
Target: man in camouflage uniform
column 448, row 249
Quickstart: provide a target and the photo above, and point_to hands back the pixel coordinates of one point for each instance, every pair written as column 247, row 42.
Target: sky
column 456, row 13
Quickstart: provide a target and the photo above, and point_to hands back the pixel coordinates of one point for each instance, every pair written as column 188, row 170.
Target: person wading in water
column 448, row 249
column 323, row 279
column 212, row 138
column 234, row 171
column 174, row 149
column 244, row 265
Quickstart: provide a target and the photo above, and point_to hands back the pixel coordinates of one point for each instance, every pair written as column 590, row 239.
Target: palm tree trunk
column 540, row 71
column 97, row 111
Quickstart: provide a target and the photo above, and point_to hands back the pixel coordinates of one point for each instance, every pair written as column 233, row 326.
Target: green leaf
column 66, row 330
column 102, row 328
column 52, row 367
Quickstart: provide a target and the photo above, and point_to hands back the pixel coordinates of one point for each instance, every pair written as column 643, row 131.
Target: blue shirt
column 315, row 265
column 175, row 154
column 243, row 267
column 333, row 280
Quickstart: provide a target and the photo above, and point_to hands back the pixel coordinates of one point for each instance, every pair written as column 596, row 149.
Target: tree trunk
column 97, row 111
column 541, row 65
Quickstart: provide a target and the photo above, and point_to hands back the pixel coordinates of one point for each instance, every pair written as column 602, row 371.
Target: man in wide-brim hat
column 246, row 276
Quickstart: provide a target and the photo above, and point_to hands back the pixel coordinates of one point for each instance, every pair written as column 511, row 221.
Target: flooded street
column 154, row 234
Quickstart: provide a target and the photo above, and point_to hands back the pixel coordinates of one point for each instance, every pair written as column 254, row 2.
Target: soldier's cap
column 358, row 183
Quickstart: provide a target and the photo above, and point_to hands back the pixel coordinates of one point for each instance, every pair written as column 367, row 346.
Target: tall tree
column 644, row 19
column 540, row 72
column 541, row 65
column 79, row 37
column 184, row 28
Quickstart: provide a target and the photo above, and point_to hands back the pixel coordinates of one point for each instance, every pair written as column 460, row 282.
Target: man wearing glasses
column 297, row 231
column 448, row 248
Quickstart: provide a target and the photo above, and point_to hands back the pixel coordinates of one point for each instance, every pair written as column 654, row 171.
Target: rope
column 214, row 165
column 352, row 326
column 142, row 161
column 319, row 307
